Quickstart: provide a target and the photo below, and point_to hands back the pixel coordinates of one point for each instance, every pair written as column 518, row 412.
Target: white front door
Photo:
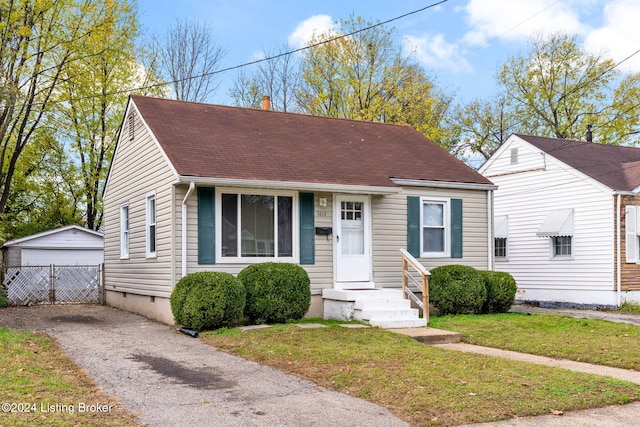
column 352, row 221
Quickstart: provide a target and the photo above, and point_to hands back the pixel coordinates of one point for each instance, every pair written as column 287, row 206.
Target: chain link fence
column 54, row 283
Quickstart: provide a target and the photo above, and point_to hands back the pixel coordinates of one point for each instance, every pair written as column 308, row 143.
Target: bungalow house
column 195, row 187
column 566, row 219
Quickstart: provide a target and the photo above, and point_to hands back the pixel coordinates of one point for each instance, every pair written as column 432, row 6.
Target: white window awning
column 501, row 227
column 557, row 223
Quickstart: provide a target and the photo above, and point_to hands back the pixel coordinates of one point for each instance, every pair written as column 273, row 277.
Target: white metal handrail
column 422, row 284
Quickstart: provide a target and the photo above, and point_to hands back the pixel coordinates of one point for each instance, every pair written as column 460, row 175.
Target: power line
column 257, row 61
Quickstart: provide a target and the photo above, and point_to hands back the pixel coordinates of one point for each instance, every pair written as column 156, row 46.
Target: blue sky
column 460, row 43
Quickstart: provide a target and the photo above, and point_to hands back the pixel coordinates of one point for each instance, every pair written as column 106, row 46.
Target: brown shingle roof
column 216, row 141
column 616, row 166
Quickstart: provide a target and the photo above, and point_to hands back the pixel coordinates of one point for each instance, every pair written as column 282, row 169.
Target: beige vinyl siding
column 320, row 273
column 527, row 198
column 139, row 168
column 390, row 232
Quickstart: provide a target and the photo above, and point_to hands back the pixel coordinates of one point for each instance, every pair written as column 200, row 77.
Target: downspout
column 618, row 252
column 192, row 186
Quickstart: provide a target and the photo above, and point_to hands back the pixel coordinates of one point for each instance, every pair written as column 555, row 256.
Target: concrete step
column 361, row 294
column 399, row 314
column 399, row 324
column 385, row 308
column 381, row 304
column 430, row 336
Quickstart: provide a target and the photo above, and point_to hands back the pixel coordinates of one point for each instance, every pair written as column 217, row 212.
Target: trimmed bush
column 276, row 292
column 207, row 300
column 457, row 289
column 501, row 291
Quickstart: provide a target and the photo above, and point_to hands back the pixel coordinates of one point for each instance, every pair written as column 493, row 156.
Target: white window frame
column 506, row 248
column 295, row 208
column 151, row 222
column 446, row 220
column 125, row 234
column 632, row 235
column 552, row 248
column 501, row 221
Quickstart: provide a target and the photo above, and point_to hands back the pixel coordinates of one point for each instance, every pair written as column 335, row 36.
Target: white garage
column 70, row 245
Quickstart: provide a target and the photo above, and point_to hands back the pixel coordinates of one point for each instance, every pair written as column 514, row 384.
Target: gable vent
column 131, row 125
column 514, row 156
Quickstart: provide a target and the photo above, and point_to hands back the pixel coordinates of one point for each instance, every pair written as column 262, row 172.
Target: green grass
column 422, row 384
column 563, row 337
column 627, row 307
column 40, row 380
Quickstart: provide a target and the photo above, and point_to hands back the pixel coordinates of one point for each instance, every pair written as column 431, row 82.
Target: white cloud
column 305, row 30
column 619, row 36
column 435, row 52
column 519, row 19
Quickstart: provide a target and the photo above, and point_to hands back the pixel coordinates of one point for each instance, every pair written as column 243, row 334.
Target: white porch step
column 360, row 294
column 366, row 315
column 381, row 304
column 399, row 324
column 385, row 308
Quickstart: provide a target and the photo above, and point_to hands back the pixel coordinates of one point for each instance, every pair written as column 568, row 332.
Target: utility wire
column 257, row 61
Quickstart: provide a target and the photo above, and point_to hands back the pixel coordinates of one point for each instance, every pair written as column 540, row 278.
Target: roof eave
column 49, row 232
column 289, row 185
column 444, row 184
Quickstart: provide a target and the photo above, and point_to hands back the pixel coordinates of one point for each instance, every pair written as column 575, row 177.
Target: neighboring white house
column 196, row 187
column 566, row 221
column 70, row 245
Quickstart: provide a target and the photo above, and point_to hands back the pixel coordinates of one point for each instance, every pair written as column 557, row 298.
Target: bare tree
column 277, row 77
column 188, row 58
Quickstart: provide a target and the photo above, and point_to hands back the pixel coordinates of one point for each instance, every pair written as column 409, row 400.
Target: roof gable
column 70, row 234
column 213, row 141
column 616, row 166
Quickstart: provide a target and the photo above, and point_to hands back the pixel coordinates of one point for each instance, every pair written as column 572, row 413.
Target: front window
column 256, row 225
column 561, row 246
column 151, row 225
column 435, row 225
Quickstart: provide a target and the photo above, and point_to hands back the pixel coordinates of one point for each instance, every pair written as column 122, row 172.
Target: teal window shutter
column 456, row 228
column 413, row 226
column 307, row 229
column 206, row 226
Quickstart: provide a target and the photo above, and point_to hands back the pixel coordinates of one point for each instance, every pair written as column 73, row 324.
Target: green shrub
column 457, row 289
column 276, row 292
column 4, row 301
column 207, row 300
column 501, row 291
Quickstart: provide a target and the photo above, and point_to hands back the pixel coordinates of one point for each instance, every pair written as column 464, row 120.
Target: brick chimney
column 266, row 102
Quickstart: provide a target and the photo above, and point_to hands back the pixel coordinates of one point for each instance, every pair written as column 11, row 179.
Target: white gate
column 54, row 283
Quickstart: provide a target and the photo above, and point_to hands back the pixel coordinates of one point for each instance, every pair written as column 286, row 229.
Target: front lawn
column 41, row 386
column 558, row 336
column 422, row 384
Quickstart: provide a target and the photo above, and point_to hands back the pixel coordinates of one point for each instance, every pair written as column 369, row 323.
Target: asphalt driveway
column 171, row 379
